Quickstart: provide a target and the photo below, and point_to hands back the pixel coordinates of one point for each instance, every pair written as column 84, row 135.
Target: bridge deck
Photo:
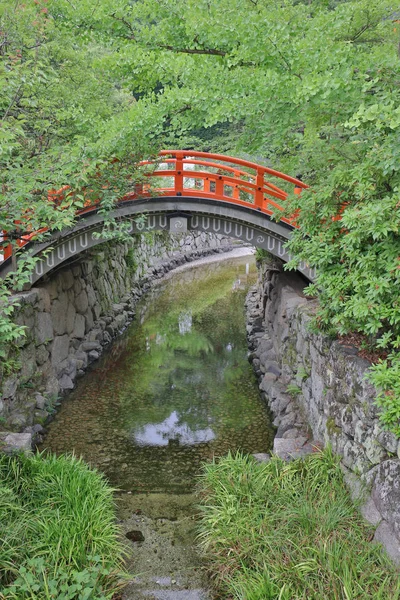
column 180, row 173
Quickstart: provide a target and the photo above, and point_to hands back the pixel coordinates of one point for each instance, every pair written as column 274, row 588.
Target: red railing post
column 259, row 192
column 178, row 173
column 236, row 193
column 219, row 186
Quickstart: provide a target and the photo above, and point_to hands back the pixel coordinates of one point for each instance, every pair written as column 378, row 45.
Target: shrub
column 58, row 531
column 289, row 531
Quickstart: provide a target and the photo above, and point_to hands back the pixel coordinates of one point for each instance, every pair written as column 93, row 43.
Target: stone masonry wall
column 316, row 389
column 74, row 314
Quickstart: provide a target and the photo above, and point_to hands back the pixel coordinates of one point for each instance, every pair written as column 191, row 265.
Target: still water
column 175, row 390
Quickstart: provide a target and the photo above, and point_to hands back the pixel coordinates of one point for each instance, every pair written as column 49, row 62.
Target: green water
column 175, row 390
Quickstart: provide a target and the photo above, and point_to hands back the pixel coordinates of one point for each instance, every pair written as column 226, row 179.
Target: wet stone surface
column 174, row 391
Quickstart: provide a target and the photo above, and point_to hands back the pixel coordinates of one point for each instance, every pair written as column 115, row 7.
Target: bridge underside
column 173, row 214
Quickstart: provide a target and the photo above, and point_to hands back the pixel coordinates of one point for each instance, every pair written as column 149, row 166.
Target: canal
column 176, row 389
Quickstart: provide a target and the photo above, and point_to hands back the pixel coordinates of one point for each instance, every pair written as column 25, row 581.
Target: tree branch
column 11, row 103
column 127, row 24
column 208, row 51
column 287, row 63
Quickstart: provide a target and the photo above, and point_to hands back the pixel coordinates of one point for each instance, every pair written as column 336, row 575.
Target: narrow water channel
column 175, row 390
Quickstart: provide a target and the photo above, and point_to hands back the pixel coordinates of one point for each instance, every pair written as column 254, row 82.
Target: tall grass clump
column 59, row 539
column 289, row 531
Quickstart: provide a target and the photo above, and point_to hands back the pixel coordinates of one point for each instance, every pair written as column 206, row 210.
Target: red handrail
column 219, row 177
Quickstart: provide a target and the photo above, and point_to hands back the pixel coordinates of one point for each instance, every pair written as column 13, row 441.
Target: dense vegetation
column 312, row 87
column 289, row 531
column 57, row 529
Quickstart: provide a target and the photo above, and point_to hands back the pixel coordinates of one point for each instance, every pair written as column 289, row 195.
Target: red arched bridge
column 187, row 191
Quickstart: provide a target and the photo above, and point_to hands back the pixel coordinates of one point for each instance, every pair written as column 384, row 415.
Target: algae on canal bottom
column 175, row 390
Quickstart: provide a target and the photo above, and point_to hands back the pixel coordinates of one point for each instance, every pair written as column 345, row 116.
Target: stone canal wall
column 317, row 391
column 75, row 313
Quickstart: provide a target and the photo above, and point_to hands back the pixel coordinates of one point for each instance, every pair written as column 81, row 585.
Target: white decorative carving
column 178, row 224
column 227, row 227
column 61, row 252
column 206, row 222
column 216, row 225
column 83, row 239
column 72, row 245
column 238, row 230
column 260, row 239
column 249, row 234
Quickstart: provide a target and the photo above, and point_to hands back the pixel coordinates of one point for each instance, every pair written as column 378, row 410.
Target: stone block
column 70, row 318
column 17, row 442
column 9, row 387
column 60, row 349
column 79, row 326
column 374, row 451
column 77, row 287
column 59, row 314
column 40, row 401
column 288, row 449
column 66, row 383
column 82, row 302
column 272, row 367
column 385, row 479
column 370, row 512
column 267, row 381
column 91, row 296
column 388, row 441
column 385, row 536
column 66, row 279
column 89, row 346
column 89, row 321
column 118, row 308
column 28, row 369
column 81, row 356
column 97, row 310
column 28, row 298
column 44, row 328
column 291, row 434
column 66, row 367
column 121, row 320
column 42, row 355
column 262, row 457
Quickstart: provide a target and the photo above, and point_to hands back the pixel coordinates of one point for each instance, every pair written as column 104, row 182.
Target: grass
column 289, row 531
column 58, row 531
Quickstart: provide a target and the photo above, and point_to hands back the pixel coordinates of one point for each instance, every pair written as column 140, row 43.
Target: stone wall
column 74, row 314
column 318, row 393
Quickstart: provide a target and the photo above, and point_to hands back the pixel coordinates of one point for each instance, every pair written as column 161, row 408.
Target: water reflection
column 171, row 430
column 177, row 389
column 185, row 322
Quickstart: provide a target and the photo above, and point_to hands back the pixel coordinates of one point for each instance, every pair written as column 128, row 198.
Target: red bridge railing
column 194, row 175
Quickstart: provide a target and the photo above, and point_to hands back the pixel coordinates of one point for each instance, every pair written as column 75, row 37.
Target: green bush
column 262, row 254
column 58, row 531
column 289, row 531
